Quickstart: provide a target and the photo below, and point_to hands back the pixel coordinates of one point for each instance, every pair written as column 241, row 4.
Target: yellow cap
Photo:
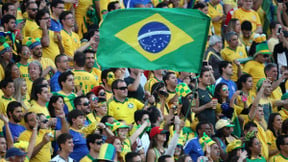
column 223, row 123
column 234, row 145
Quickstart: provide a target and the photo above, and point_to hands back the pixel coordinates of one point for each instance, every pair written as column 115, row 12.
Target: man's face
column 90, row 59
column 246, row 33
column 63, row 64
column 32, row 10
column 205, row 79
column 44, row 95
column 37, row 51
column 46, row 19
column 85, row 105
column 172, row 81
column 284, row 147
column 11, row 25
column 68, row 21
column 17, row 114
column 34, row 71
column 122, row 90
column 97, row 144
column 228, row 70
column 32, row 120
column 68, row 145
column 136, row 159
column 69, row 83
column 3, row 145
column 79, row 121
column 247, row 4
column 233, row 43
column 11, row 10
column 9, row 89
column 58, row 9
column 262, row 58
column 205, row 128
column 272, row 73
column 145, row 117
column 259, row 113
column 268, row 90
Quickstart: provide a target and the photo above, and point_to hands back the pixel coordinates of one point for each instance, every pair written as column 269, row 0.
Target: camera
column 163, row 93
column 102, row 94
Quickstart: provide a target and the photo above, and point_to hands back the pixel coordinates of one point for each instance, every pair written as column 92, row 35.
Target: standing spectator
column 247, row 13
column 274, row 39
column 89, row 64
column 82, row 103
column 15, row 115
column 157, row 77
column 247, row 35
column 135, row 90
column 41, row 96
column 280, row 53
column 226, row 71
column 212, row 54
column 61, row 62
column 57, row 7
column 94, row 142
column 30, row 23
column 23, row 63
column 65, row 143
column 232, row 53
column 273, row 131
column 207, row 106
column 9, row 9
column 84, row 81
column 70, row 39
column 215, row 11
column 107, row 78
column 170, row 82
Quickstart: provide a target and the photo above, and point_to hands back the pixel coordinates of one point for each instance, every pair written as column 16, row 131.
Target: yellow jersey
column 45, row 153
column 88, row 158
column 271, row 140
column 23, row 71
column 233, row 3
column 97, row 74
column 2, row 73
column 36, row 108
column 150, row 83
column 52, row 50
column 215, row 11
column 124, row 110
column 29, row 26
column 256, row 73
column 284, row 113
column 84, row 80
column 230, row 55
column 251, row 15
column 278, row 158
column 70, row 42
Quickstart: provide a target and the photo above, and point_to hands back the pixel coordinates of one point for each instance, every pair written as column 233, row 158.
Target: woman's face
column 43, row 122
column 93, row 101
column 248, row 84
column 237, row 26
column 102, row 94
column 123, row 132
column 117, row 144
column 161, row 137
column 25, row 53
column 59, row 104
column 215, row 152
column 15, row 73
column 34, row 71
column 7, row 56
column 24, row 88
column 101, row 108
column 256, row 146
column 178, row 150
column 224, row 92
column 277, row 123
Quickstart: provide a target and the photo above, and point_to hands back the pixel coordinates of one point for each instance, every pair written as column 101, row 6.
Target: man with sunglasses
column 94, row 142
column 121, row 107
column 30, row 24
column 82, row 103
column 256, row 66
column 282, row 145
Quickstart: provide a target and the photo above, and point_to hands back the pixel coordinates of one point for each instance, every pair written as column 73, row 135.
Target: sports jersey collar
column 170, row 91
column 232, row 49
column 90, row 157
column 126, row 99
column 283, row 156
column 9, row 99
column 18, row 63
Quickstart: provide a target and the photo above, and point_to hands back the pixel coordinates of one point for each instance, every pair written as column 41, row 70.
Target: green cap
column 259, row 83
column 262, row 48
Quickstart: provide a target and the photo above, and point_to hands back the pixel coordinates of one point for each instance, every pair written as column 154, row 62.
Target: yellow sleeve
column 258, row 22
column 2, row 73
column 223, row 54
column 24, row 137
column 269, row 135
column 139, row 104
column 90, row 128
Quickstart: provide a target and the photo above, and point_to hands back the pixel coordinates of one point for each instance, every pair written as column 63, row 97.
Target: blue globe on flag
column 154, row 37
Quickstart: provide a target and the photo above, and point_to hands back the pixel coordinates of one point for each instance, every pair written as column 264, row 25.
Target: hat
column 14, row 152
column 259, row 83
column 223, row 123
column 182, row 90
column 262, row 48
column 31, row 43
column 116, row 125
column 214, row 39
column 107, row 152
column 259, row 38
column 22, row 145
column 284, row 96
column 157, row 130
column 96, row 90
column 234, row 145
column 4, row 48
column 206, row 139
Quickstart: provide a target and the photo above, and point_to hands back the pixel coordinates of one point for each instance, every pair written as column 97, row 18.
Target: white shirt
column 60, row 159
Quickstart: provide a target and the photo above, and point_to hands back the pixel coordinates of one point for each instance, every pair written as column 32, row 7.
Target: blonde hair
column 18, row 83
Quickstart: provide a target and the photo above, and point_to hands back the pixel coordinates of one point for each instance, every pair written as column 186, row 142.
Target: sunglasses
column 224, row 89
column 33, row 9
column 94, row 98
column 99, row 142
column 86, row 104
column 44, row 121
column 265, row 56
column 122, row 88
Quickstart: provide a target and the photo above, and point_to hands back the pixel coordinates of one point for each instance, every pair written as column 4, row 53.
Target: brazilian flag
column 151, row 39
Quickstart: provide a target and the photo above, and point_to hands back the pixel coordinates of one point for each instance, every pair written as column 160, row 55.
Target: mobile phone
column 279, row 30
column 205, row 63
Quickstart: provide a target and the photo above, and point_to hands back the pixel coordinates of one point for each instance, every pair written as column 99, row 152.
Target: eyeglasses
column 60, row 8
column 122, row 88
column 44, row 121
column 99, row 142
column 224, row 89
column 68, row 18
column 265, row 56
column 86, row 104
column 33, row 9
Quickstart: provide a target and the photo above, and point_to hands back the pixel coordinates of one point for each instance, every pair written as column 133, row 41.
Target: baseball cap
column 157, row 130
column 234, row 145
column 14, row 152
column 223, row 123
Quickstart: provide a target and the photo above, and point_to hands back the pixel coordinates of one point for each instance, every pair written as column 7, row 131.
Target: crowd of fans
column 57, row 104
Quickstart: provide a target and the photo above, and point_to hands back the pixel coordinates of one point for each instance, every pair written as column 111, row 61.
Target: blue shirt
column 15, row 130
column 55, row 26
column 54, row 84
column 193, row 149
column 80, row 148
column 231, row 85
